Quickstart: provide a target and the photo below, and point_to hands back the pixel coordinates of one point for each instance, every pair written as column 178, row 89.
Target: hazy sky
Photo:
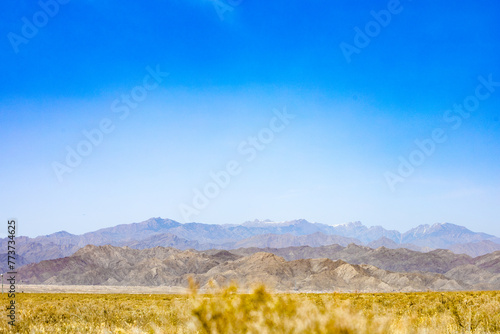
column 222, row 111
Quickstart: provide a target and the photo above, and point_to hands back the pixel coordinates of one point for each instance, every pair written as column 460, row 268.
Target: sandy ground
column 45, row 288
column 35, row 288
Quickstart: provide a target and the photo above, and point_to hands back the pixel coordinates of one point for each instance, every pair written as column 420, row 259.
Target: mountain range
column 481, row 273
column 261, row 234
column 110, row 265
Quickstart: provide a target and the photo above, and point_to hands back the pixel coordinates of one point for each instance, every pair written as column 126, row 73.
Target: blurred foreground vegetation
column 229, row 311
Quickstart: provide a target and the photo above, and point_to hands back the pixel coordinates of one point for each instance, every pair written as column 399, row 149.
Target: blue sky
column 67, row 69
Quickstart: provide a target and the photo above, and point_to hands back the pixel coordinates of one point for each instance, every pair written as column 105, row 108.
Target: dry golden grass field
column 228, row 311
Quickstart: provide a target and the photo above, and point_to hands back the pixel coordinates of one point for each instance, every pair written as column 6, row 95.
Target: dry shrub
column 228, row 310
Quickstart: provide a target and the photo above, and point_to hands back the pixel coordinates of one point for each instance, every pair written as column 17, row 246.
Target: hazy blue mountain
column 475, row 248
column 389, row 243
column 365, row 234
column 443, row 235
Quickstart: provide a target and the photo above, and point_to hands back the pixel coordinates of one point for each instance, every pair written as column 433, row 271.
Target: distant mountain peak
column 429, row 229
column 268, row 222
column 351, row 224
column 258, row 221
column 61, row 234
